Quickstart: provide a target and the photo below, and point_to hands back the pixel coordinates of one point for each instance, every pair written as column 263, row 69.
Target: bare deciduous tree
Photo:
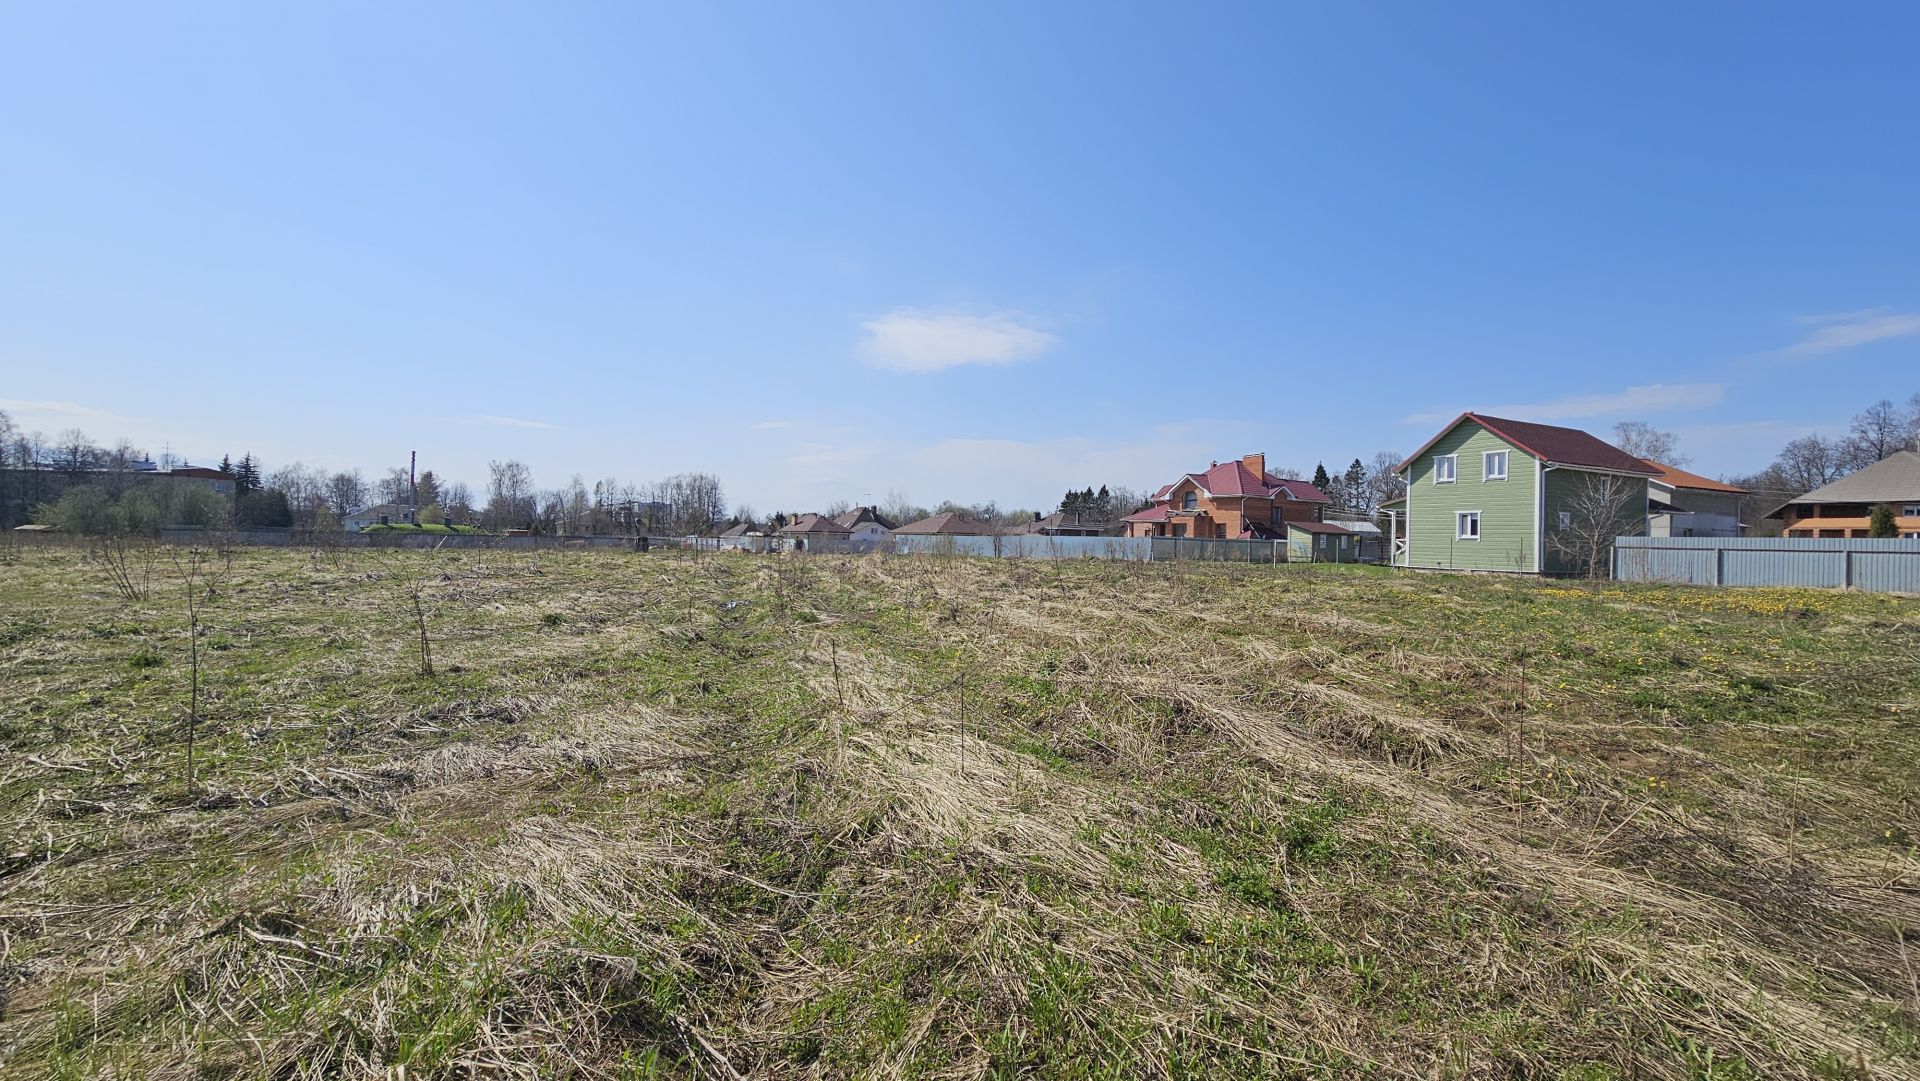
column 1603, row 506
column 306, row 490
column 394, row 486
column 1643, row 440
column 456, row 502
column 76, row 452
column 1811, row 461
column 1383, row 484
column 346, row 492
column 511, row 501
column 195, row 572
column 1880, row 431
column 411, row 574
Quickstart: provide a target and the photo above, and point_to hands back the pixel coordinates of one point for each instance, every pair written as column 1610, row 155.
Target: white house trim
column 1540, row 517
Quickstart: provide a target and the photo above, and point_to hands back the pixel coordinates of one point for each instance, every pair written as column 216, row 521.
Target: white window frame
column 1453, row 468
column 1486, row 465
column 1911, row 510
column 1460, row 518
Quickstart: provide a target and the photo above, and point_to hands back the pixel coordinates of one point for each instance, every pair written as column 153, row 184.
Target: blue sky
column 963, row 251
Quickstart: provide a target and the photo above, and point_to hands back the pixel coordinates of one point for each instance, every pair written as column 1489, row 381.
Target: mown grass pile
column 734, row 816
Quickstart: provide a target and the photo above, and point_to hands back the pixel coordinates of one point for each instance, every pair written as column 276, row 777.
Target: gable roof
column 1550, row 443
column 1893, row 479
column 1230, row 479
column 958, row 524
column 1320, row 527
column 1151, row 514
column 1679, row 478
column 861, row 515
column 740, row 530
column 813, row 523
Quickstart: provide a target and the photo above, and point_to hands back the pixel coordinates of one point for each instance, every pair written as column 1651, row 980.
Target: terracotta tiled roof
column 1680, row 478
column 1151, row 514
column 1549, row 443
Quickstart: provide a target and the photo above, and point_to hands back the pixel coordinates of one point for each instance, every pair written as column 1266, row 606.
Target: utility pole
column 413, row 488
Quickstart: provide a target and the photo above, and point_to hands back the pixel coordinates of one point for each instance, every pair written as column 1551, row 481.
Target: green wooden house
column 1506, row 495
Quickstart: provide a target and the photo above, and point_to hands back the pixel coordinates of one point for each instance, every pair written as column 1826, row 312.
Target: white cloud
column 911, row 340
column 27, row 412
column 769, row 425
column 1652, row 398
column 1835, row 331
column 502, row 422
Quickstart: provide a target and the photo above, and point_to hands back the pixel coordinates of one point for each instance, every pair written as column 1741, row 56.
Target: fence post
column 1719, row 565
column 1846, row 568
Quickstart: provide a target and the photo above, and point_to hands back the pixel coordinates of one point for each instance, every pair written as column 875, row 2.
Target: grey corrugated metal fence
column 1033, row 546
column 1024, row 546
column 1879, row 566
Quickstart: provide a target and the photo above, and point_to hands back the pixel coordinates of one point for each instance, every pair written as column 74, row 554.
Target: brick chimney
column 1256, row 463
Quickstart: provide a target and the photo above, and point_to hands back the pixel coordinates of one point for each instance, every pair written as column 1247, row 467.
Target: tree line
column 37, row 471
column 71, row 481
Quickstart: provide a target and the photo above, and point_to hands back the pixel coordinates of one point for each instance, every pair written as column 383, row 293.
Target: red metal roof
column 1548, row 442
column 1229, row 479
column 1151, row 514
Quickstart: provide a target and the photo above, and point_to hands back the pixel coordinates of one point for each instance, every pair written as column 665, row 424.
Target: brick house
column 1236, row 500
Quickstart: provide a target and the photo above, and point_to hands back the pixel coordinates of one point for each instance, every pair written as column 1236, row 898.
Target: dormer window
column 1190, row 501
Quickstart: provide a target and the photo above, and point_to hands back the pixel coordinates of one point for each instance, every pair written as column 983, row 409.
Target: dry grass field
column 735, row 816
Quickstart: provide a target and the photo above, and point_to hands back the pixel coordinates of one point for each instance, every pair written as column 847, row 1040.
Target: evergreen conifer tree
column 1880, row 522
column 1320, row 479
column 1356, row 486
column 246, row 476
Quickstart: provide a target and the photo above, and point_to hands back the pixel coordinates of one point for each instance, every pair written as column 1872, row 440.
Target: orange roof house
column 1237, row 499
